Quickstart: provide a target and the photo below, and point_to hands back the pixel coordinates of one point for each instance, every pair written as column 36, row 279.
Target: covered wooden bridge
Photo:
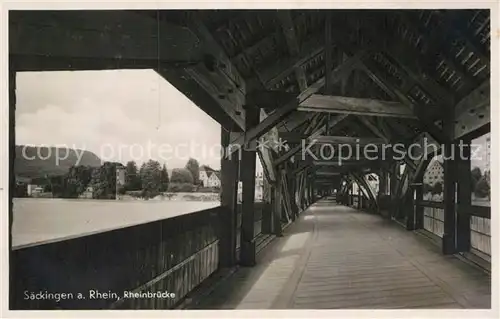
column 289, row 87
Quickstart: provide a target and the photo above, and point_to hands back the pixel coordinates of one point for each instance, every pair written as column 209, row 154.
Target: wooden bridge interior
column 283, row 77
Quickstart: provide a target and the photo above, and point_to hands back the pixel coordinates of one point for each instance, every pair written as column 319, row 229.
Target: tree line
column 480, row 184
column 152, row 179
column 147, row 181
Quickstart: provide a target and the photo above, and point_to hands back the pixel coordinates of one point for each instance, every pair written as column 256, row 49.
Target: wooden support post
column 267, row 213
column 292, row 186
column 419, row 209
column 309, row 191
column 394, row 190
column 360, row 197
column 449, row 184
column 382, row 185
column 382, row 190
column 349, row 196
column 449, row 199
column 408, row 206
column 464, row 196
column 248, row 159
column 229, row 189
column 304, row 189
column 313, row 190
column 12, row 181
column 277, row 205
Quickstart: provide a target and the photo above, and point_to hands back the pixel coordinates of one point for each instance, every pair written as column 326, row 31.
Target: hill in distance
column 33, row 163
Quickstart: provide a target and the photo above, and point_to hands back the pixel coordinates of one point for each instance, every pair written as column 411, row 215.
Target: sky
column 118, row 115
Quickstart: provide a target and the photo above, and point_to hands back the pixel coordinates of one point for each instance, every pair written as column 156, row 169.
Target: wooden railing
column 480, row 237
column 433, row 217
column 172, row 255
column 480, row 223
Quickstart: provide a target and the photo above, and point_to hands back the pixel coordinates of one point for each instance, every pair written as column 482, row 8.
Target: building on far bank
column 120, row 179
column 120, row 175
column 434, row 173
column 209, row 177
column 33, row 190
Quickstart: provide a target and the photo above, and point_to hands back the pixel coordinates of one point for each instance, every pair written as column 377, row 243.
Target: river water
column 40, row 220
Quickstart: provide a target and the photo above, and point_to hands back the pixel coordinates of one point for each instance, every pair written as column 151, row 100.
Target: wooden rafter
column 281, row 113
column 364, row 185
column 425, row 121
column 454, row 26
column 377, row 131
column 328, row 53
column 276, row 72
column 332, row 123
column 359, row 106
column 473, row 111
column 436, row 44
column 293, row 46
column 292, row 137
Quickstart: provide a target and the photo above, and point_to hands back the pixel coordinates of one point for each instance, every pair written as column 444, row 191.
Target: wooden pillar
column 464, row 199
column 229, row 201
column 304, row 190
column 277, row 205
column 449, row 189
column 419, row 209
column 12, row 181
column 394, row 190
column 248, row 158
column 382, row 183
column 449, row 183
column 311, row 189
column 351, row 193
column 360, row 197
column 267, row 213
column 408, row 207
column 292, row 187
column 382, row 190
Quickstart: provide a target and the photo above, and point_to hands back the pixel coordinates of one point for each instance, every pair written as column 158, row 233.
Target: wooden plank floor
column 338, row 257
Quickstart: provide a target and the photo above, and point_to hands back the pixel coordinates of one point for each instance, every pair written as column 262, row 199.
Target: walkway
column 338, row 257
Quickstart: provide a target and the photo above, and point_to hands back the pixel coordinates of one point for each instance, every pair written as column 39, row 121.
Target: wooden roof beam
column 288, row 28
column 368, row 190
column 281, row 113
column 263, row 127
column 97, row 40
column 358, row 106
column 436, row 42
column 339, row 73
column 328, row 53
column 222, row 61
column 280, row 69
column 473, row 111
column 342, row 163
column 455, row 26
column 407, row 60
column 389, row 88
column 292, row 137
column 333, row 122
column 424, row 119
column 368, row 123
column 217, row 75
column 300, row 119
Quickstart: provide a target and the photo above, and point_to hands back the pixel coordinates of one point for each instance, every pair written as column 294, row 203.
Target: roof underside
column 426, row 59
